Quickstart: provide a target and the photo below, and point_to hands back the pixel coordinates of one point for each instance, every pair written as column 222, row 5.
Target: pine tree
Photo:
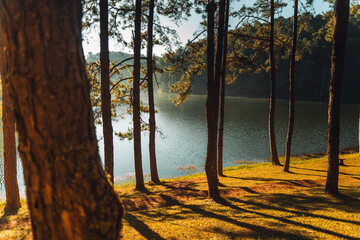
column 341, row 16
column 68, row 194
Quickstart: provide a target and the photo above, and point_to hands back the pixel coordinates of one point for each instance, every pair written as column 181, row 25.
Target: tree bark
column 222, row 93
column 8, row 119
column 291, row 91
column 341, row 15
column 212, row 110
column 273, row 150
column 136, row 100
column 105, row 90
column 67, row 191
column 152, row 152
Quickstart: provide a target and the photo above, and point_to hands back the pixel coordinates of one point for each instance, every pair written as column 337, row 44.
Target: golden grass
column 260, row 202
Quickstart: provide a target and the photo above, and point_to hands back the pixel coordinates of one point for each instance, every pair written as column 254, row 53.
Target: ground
column 260, row 202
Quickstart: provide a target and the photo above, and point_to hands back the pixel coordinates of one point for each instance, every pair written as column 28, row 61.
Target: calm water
column 184, row 134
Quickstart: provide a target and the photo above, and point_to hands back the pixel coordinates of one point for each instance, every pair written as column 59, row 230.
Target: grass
column 260, row 202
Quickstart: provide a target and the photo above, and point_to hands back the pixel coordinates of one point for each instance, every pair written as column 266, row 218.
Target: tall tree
column 222, row 92
column 152, row 124
column 291, row 91
column 273, row 150
column 105, row 90
column 212, row 101
column 8, row 119
column 68, row 194
column 341, row 16
column 139, row 177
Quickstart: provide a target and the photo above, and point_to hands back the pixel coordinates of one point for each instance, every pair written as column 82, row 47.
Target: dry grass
column 260, row 202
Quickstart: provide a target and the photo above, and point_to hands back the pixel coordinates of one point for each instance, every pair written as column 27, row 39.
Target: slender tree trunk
column 67, row 191
column 8, row 119
column 152, row 152
column 136, row 100
column 341, row 15
column 222, row 92
column 212, row 109
column 291, row 92
column 359, row 130
column 105, row 91
column 273, row 150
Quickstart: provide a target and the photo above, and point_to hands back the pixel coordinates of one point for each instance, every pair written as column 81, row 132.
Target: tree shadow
column 324, row 171
column 10, row 212
column 297, row 202
column 259, row 231
column 141, row 227
column 281, row 219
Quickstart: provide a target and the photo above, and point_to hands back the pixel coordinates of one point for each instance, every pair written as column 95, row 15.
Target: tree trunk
column 273, row 150
column 222, row 93
column 105, row 91
column 291, row 92
column 359, row 130
column 341, row 15
column 67, row 191
column 212, row 109
column 8, row 119
column 152, row 152
column 136, row 100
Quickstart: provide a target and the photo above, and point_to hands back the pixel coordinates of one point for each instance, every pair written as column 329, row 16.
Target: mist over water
column 183, row 142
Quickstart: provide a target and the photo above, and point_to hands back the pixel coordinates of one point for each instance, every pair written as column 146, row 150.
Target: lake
column 183, row 139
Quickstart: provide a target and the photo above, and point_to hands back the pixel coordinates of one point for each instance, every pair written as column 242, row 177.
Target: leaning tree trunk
column 212, row 108
column 67, row 191
column 8, row 119
column 152, row 152
column 222, row 93
column 341, row 15
column 105, row 90
column 273, row 150
column 291, row 92
column 136, row 100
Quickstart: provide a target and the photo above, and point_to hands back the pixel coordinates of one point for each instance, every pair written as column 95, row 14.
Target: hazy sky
column 185, row 30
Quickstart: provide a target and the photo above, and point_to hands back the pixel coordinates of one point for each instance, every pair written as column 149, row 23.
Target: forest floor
column 260, row 202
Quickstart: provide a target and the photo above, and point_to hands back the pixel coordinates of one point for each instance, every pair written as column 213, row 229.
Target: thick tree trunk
column 136, row 100
column 152, row 152
column 291, row 91
column 68, row 194
column 212, row 110
column 105, row 90
column 222, row 92
column 273, row 150
column 341, row 15
column 8, row 119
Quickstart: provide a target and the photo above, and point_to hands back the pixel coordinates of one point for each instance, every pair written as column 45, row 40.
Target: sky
column 185, row 30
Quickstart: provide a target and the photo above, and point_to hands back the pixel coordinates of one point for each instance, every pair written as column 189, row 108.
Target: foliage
column 247, row 61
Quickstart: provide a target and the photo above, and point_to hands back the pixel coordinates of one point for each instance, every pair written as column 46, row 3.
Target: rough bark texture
column 273, row 150
column 8, row 119
column 341, row 15
column 67, row 191
column 105, row 90
column 152, row 152
column 212, row 110
column 291, row 91
column 222, row 93
column 136, row 101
